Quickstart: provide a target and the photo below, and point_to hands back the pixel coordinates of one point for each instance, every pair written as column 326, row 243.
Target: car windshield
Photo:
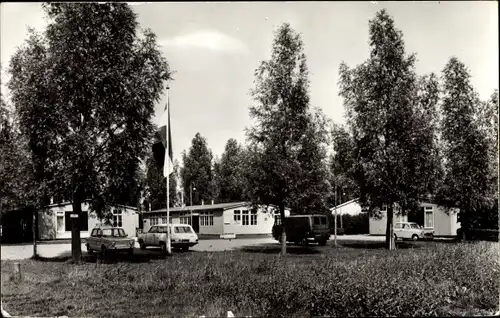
column 113, row 233
column 183, row 229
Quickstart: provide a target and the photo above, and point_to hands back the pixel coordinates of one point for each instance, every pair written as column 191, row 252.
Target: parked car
column 412, row 231
column 182, row 236
column 109, row 239
column 304, row 229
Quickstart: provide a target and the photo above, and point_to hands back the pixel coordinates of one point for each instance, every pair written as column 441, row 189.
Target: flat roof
column 86, row 201
column 203, row 207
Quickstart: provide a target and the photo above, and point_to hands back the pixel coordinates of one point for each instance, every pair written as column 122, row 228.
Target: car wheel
column 142, row 245
column 104, row 251
column 89, row 250
column 185, row 248
column 414, row 237
column 130, row 252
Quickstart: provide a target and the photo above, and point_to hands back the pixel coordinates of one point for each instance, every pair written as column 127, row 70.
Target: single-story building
column 217, row 219
column 55, row 222
column 430, row 215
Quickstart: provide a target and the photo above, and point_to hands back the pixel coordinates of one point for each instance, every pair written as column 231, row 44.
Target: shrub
column 479, row 235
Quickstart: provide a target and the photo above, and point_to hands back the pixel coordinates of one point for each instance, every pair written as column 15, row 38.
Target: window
column 182, row 229
column 253, row 218
column 117, row 218
column 153, row 221
column 206, row 218
column 162, row 229
column 83, row 219
column 428, row 217
column 316, row 220
column 95, row 232
column 154, row 229
column 113, row 233
column 60, row 222
column 245, row 217
column 185, row 218
column 237, row 217
column 277, row 218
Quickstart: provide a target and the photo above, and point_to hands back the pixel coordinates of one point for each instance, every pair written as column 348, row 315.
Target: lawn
column 356, row 279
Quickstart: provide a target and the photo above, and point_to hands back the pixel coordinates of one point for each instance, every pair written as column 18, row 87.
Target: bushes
column 479, row 235
column 351, row 224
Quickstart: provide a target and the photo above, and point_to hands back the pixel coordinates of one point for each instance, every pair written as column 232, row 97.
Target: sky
column 215, row 47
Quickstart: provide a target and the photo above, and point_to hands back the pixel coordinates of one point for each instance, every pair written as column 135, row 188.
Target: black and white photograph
column 249, row 159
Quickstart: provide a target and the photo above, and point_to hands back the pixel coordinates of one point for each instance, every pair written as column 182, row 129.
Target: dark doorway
column 196, row 223
column 416, row 216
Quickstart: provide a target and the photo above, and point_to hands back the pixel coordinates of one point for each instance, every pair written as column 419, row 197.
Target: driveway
column 23, row 251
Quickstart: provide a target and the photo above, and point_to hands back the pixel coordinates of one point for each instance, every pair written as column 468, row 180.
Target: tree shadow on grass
column 139, row 256
column 272, row 248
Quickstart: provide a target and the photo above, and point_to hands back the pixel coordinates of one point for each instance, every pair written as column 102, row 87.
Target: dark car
column 304, row 229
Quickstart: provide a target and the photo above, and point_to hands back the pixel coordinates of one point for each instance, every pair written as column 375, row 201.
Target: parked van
column 304, row 229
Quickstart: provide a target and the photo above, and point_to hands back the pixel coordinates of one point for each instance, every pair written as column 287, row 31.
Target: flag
column 162, row 147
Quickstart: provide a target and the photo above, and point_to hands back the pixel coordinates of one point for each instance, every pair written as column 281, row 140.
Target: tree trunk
column 389, row 233
column 76, row 246
column 464, row 225
column 283, row 229
column 33, row 229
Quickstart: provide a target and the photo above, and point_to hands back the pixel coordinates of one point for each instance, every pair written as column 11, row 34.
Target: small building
column 430, row 215
column 237, row 218
column 55, row 222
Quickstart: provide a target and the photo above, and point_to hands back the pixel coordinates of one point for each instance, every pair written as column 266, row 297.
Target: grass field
column 356, row 279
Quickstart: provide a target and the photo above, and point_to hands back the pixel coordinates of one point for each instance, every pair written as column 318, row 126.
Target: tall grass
column 446, row 279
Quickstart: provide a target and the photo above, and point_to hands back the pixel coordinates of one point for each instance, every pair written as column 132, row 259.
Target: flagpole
column 169, row 246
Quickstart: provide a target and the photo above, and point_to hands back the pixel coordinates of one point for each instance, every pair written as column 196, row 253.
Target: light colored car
column 109, row 239
column 182, row 236
column 411, row 231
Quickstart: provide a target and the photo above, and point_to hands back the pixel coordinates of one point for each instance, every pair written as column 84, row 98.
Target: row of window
column 245, row 217
column 241, row 217
column 64, row 222
column 159, row 220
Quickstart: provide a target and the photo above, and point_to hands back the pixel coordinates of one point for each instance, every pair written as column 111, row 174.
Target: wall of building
column 442, row 224
column 224, row 222
column 174, row 216
column 265, row 221
column 445, row 224
column 52, row 221
column 216, row 228
column 378, row 226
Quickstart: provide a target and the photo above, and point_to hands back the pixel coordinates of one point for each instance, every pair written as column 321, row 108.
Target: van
column 304, row 229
